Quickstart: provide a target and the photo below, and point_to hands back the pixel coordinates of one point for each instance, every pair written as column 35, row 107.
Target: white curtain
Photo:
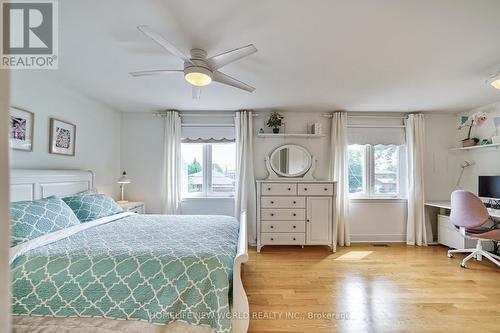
column 415, row 226
column 245, row 180
column 338, row 173
column 171, row 194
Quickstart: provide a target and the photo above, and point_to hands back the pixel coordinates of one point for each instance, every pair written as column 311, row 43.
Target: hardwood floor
column 366, row 288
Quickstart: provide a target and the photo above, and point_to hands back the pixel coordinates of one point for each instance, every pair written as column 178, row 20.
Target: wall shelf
column 492, row 145
column 290, row 135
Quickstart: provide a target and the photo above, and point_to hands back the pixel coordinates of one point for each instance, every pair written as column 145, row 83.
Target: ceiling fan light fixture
column 198, row 76
column 494, row 80
column 496, row 83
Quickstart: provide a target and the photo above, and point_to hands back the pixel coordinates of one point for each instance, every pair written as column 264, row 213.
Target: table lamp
column 464, row 165
column 122, row 181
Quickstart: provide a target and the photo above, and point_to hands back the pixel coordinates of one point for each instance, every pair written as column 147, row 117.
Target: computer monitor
column 489, row 187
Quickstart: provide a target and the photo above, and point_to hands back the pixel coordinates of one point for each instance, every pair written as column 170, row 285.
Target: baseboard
column 378, row 238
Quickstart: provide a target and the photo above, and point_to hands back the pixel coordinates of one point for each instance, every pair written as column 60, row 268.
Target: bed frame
column 34, row 184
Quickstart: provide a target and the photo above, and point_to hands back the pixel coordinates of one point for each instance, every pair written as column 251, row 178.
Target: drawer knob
column 326, row 189
column 294, row 226
column 272, row 238
column 272, row 202
column 272, row 227
column 269, row 189
column 308, row 220
column 305, row 188
column 294, row 214
column 272, row 214
column 289, row 189
column 294, row 238
column 294, row 202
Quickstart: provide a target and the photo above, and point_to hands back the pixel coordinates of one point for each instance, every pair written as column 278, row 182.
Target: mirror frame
column 295, row 175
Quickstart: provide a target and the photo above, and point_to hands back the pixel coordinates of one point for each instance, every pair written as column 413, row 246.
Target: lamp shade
column 124, row 179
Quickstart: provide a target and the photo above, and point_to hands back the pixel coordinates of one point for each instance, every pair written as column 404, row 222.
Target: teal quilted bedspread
column 154, row 268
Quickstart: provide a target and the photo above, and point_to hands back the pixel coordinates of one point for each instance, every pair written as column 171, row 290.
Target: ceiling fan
column 199, row 70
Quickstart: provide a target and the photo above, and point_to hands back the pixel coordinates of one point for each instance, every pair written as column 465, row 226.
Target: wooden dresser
column 295, row 212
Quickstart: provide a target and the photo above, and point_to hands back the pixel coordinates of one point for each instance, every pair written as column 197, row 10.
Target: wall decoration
column 21, row 129
column 62, row 137
column 275, row 121
column 477, row 119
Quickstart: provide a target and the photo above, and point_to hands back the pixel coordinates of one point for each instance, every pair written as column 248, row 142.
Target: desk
column 446, row 205
column 452, row 237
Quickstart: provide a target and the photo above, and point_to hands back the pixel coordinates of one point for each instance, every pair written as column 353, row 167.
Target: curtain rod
column 207, row 125
column 376, row 126
column 192, row 114
column 329, row 115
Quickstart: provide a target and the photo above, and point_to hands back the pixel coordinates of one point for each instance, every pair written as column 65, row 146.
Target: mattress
column 154, row 269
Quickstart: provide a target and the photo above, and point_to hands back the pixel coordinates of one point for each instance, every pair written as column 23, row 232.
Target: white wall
column 142, row 158
column 97, row 128
column 441, row 166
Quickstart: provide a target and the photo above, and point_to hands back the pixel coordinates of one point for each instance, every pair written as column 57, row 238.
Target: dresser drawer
column 315, row 189
column 283, row 202
column 279, row 189
column 269, row 238
column 283, row 214
column 282, row 226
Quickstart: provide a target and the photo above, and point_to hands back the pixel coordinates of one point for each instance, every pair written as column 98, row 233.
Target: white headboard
column 34, row 184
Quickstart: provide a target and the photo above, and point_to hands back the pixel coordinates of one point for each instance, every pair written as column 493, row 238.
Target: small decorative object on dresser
column 275, row 121
column 21, row 129
column 62, row 137
column 293, row 209
column 122, row 181
column 134, row 207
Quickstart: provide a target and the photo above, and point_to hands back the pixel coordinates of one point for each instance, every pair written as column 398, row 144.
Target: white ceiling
column 356, row 55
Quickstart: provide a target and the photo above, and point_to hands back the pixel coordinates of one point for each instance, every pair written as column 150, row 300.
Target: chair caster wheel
column 450, row 255
column 463, row 266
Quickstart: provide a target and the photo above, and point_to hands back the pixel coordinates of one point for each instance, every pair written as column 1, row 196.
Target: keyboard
column 494, row 212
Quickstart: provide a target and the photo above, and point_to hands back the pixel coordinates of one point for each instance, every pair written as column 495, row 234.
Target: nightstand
column 134, row 207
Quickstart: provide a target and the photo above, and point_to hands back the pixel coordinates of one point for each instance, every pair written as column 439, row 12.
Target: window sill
column 380, row 199
column 227, row 197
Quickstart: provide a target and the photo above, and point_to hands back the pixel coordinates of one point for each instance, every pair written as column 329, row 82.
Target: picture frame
column 21, row 129
column 62, row 137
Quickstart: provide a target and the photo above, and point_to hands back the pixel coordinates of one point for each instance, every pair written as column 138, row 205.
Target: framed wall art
column 21, row 130
column 62, row 137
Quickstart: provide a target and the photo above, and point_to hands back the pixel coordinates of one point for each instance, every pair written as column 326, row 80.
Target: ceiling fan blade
column 228, row 57
column 156, row 72
column 163, row 42
column 196, row 91
column 226, row 79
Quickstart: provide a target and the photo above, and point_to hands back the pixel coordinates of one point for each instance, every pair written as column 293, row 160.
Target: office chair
column 469, row 214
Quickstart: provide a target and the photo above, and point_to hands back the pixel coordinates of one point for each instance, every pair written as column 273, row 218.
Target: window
column 209, row 169
column 377, row 171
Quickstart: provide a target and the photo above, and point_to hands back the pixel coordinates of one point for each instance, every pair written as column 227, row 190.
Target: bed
column 127, row 272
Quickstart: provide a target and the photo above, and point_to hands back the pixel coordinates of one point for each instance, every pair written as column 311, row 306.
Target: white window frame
column 207, row 169
column 369, row 176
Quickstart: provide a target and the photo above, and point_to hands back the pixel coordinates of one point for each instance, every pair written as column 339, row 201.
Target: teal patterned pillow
column 32, row 219
column 88, row 207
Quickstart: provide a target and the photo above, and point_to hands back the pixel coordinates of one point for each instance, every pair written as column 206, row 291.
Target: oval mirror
column 290, row 161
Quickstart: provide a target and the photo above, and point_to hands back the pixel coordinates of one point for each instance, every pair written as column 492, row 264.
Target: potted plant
column 275, row 121
column 478, row 119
